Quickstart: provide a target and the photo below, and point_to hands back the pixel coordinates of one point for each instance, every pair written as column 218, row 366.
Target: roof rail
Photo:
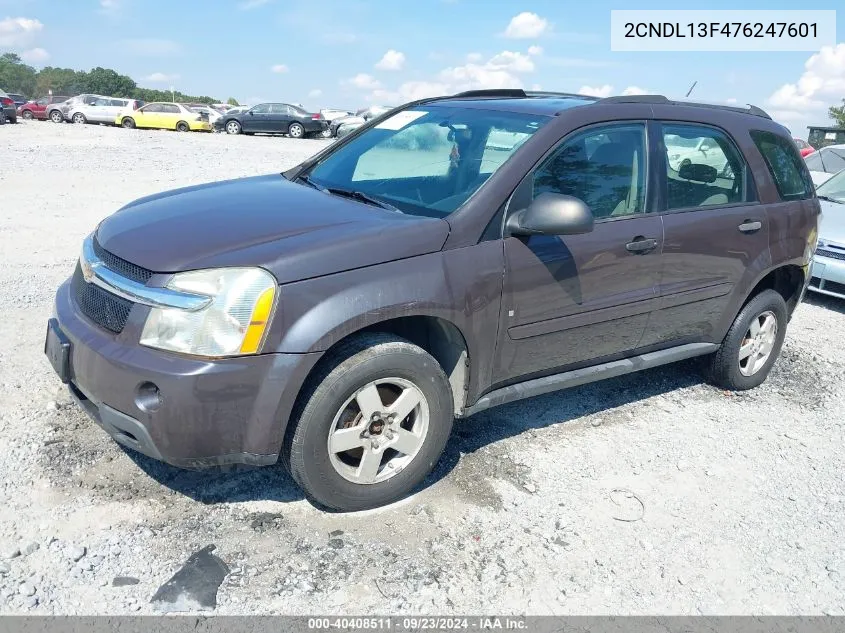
column 568, row 95
column 660, row 99
column 496, row 92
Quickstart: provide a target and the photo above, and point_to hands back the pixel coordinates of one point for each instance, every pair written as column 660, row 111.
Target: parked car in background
column 210, row 114
column 273, row 118
column 7, row 105
column 101, row 110
column 37, row 109
column 350, row 122
column 163, row 116
column 339, row 316
column 825, row 162
column 804, row 147
column 348, row 127
column 19, row 99
column 828, row 272
column 372, row 112
column 683, row 151
column 58, row 112
column 330, row 114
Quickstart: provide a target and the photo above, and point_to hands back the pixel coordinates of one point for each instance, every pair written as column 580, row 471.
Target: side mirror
column 552, row 214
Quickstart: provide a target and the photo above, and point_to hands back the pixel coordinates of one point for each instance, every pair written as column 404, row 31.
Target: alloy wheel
column 758, row 343
column 378, row 431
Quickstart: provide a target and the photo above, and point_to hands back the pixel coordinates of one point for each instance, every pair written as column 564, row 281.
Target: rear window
column 785, row 164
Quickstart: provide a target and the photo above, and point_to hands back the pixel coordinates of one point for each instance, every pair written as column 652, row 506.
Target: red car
column 804, row 147
column 38, row 109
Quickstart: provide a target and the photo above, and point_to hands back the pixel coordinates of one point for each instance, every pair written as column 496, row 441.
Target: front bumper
column 827, row 275
column 209, row 412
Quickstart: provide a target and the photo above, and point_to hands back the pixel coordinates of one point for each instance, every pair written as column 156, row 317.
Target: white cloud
column 248, row 5
column 110, row 6
column 474, row 58
column 316, row 92
column 526, row 25
column 279, row 68
column 822, row 83
column 150, row 47
column 18, row 32
column 512, row 62
column 730, row 100
column 597, row 91
column 363, row 81
column 535, row 50
column 635, row 90
column 35, row 56
column 392, row 60
column 160, row 78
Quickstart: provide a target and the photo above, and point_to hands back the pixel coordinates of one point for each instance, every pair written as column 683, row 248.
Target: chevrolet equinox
column 451, row 255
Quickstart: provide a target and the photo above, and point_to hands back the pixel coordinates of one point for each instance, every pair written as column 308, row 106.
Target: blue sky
column 351, row 53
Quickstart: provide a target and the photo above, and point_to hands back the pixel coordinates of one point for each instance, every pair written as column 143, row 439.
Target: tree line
column 18, row 77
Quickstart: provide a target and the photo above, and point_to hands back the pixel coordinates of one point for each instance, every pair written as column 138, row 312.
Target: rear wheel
column 27, row 115
column 128, row 122
column 751, row 345
column 79, row 118
column 296, row 130
column 182, row 127
column 372, row 424
column 56, row 116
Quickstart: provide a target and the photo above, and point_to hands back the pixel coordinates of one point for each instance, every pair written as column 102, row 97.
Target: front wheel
column 751, row 345
column 372, row 426
column 233, row 127
column 296, row 130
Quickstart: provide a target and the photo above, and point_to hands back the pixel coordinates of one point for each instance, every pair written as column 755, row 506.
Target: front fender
column 461, row 286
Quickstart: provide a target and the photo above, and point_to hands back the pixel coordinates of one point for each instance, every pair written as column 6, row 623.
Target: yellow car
column 163, row 116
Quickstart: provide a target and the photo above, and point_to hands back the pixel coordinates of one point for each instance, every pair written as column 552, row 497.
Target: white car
column 212, row 113
column 700, row 151
column 100, row 109
column 825, row 162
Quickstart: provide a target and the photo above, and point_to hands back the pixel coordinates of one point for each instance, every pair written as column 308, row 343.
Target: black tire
column 233, row 127
column 56, row 116
column 2, row 117
column 296, row 130
column 128, row 122
column 182, row 127
column 13, row 119
column 723, row 367
column 79, row 118
column 353, row 365
column 27, row 115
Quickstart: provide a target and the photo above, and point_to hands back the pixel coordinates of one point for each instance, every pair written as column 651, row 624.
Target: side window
column 261, row 109
column 171, row 108
column 788, row 170
column 99, row 103
column 834, row 160
column 605, row 167
column 152, row 108
column 279, row 108
column 117, row 103
column 703, row 167
column 42, row 102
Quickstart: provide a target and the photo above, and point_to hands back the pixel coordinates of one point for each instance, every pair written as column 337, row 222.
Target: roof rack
column 660, row 99
column 518, row 93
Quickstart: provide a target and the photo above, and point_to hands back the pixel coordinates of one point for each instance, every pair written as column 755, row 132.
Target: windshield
column 833, row 188
column 427, row 160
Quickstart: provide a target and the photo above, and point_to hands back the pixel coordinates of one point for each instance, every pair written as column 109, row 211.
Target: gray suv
column 451, row 255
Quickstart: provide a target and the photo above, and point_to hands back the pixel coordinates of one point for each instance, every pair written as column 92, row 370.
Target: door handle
column 750, row 226
column 641, row 245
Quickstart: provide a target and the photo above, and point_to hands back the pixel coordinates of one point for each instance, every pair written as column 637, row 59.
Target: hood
column 294, row 231
column 832, row 222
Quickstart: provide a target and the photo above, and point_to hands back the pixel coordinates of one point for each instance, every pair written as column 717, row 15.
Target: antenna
column 689, row 92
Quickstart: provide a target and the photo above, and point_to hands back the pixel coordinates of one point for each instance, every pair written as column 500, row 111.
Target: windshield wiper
column 305, row 178
column 361, row 196
column 829, row 199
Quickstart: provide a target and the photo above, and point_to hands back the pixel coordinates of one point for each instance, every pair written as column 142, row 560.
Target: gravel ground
column 649, row 494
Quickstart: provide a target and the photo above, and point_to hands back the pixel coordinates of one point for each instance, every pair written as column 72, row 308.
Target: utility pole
column 172, row 94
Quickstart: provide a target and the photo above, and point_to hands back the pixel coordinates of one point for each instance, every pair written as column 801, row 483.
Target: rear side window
column 703, row 167
column 785, row 164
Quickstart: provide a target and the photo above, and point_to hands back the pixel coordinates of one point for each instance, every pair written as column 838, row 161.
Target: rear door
column 171, row 115
column 716, row 233
column 579, row 299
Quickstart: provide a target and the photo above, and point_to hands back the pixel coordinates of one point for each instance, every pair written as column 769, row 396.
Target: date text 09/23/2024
column 422, row 623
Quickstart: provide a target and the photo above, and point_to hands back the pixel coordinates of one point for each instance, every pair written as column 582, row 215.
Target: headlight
column 233, row 323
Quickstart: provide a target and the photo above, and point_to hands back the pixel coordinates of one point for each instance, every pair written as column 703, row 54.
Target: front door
column 715, row 233
column 257, row 119
column 575, row 299
column 148, row 116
